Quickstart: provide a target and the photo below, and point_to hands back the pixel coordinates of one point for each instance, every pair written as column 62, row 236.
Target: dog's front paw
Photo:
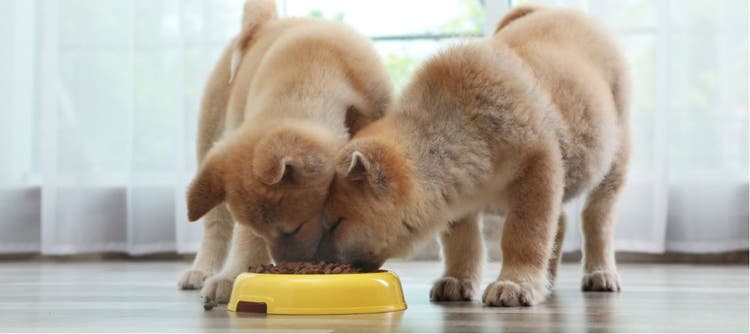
column 510, row 293
column 217, row 289
column 453, row 289
column 192, row 279
column 601, row 280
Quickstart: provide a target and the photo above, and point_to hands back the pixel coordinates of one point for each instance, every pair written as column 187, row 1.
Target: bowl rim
column 378, row 272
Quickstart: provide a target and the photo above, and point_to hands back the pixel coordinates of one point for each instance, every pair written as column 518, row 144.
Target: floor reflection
column 475, row 317
column 600, row 309
column 373, row 322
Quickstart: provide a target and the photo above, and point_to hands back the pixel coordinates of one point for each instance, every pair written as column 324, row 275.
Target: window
column 404, row 32
column 104, row 96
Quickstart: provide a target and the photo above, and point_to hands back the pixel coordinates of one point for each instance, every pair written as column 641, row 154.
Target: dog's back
column 305, row 49
column 581, row 67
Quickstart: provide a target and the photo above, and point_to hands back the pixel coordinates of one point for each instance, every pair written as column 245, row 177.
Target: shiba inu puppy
column 520, row 122
column 285, row 95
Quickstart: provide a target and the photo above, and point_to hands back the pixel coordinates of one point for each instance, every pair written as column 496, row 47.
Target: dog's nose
column 367, row 265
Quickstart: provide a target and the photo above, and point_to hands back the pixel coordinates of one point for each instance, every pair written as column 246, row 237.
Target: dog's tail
column 255, row 14
column 515, row 14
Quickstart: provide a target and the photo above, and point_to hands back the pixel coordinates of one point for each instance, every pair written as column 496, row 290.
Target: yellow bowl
column 317, row 294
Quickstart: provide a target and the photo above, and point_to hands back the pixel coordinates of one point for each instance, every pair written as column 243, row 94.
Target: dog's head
column 366, row 212
column 276, row 183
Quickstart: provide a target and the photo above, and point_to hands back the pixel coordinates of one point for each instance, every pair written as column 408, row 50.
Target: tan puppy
column 282, row 99
column 520, row 122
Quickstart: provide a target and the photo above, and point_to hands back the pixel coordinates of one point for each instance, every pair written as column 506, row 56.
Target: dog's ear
column 207, row 189
column 378, row 165
column 359, row 166
column 364, row 165
column 289, row 156
column 355, row 120
column 272, row 169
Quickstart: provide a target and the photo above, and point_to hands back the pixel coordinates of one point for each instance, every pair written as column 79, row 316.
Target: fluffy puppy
column 285, row 95
column 520, row 122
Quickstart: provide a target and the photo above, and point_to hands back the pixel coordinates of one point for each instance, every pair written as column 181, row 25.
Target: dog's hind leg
column 599, row 215
column 463, row 253
column 554, row 260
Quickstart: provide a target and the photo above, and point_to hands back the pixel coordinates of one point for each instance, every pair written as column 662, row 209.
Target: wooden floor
column 142, row 296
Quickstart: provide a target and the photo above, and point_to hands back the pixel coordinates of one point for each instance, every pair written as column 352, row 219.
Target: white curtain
column 688, row 182
column 98, row 137
column 100, row 101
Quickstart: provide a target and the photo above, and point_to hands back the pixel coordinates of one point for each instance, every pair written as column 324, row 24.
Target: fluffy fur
column 285, row 95
column 520, row 122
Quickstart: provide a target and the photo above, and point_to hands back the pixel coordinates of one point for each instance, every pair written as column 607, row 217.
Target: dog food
column 305, row 268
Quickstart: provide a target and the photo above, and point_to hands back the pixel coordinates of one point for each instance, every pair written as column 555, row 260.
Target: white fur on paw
column 509, row 293
column 192, row 279
column 217, row 289
column 453, row 289
column 601, row 280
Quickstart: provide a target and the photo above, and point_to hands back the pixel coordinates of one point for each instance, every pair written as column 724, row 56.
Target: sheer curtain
column 688, row 182
column 101, row 101
column 98, row 139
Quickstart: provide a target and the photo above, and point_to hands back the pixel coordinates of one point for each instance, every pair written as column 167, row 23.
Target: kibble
column 303, row 268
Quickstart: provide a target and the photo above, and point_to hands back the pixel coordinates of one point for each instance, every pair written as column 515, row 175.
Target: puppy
column 285, row 95
column 520, row 122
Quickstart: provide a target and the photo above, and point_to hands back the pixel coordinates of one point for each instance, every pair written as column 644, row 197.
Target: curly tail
column 255, row 14
column 515, row 14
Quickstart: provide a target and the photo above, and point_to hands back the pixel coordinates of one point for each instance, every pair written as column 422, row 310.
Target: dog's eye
column 335, row 224
column 330, row 225
column 290, row 234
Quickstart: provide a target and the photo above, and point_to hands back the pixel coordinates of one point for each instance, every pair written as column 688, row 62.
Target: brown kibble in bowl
column 305, row 268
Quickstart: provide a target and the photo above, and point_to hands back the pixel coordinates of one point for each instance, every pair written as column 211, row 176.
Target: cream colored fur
column 284, row 96
column 520, row 122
